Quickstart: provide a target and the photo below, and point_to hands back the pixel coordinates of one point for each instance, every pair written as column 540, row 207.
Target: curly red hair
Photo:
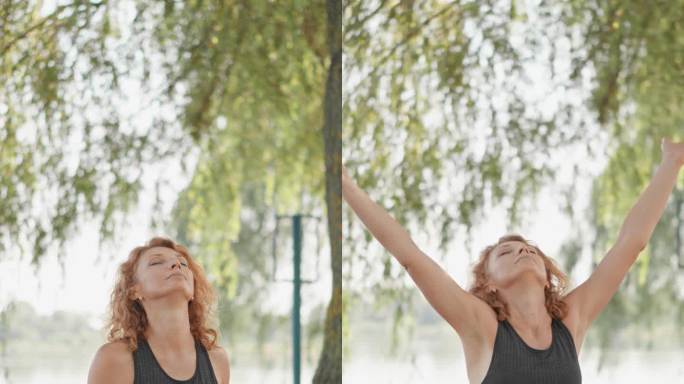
column 128, row 320
column 557, row 280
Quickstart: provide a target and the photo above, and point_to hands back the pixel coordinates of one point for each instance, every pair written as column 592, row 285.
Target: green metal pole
column 297, row 299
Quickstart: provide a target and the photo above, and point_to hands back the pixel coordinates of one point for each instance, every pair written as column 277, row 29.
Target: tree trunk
column 329, row 368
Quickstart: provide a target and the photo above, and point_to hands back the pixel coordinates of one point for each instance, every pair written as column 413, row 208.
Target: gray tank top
column 514, row 362
column 148, row 370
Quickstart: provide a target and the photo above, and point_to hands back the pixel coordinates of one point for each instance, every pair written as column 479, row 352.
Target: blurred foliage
column 235, row 89
column 251, row 109
column 255, row 86
column 434, row 106
column 255, row 76
column 637, row 50
column 406, row 58
column 67, row 153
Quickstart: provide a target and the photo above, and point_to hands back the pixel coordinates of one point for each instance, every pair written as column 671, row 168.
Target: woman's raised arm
column 458, row 307
column 589, row 298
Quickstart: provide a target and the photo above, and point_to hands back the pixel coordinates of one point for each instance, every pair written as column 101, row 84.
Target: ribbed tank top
column 148, row 370
column 515, row 362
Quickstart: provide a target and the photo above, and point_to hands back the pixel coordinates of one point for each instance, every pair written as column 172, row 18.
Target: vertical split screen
column 327, row 192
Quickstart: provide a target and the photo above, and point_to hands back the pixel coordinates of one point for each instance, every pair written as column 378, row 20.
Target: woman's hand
column 672, row 151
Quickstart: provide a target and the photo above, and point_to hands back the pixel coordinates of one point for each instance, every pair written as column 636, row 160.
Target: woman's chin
column 178, row 293
column 526, row 271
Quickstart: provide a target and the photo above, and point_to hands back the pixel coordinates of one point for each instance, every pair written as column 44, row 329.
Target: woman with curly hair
column 158, row 329
column 516, row 323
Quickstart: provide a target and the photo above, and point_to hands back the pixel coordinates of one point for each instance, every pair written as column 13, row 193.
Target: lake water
column 368, row 366
column 74, row 373
column 635, row 367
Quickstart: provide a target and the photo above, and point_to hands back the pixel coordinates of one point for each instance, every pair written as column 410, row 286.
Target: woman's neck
column 527, row 305
column 168, row 324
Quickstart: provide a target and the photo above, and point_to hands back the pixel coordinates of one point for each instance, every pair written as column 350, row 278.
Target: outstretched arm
column 591, row 297
column 458, row 307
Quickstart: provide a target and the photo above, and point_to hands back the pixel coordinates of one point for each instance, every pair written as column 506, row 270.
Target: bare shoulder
column 112, row 357
column 218, row 353
column 220, row 362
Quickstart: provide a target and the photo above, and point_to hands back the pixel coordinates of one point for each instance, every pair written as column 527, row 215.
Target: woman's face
column 511, row 260
column 162, row 271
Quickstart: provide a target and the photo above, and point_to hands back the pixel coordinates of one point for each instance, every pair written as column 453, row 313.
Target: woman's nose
column 176, row 264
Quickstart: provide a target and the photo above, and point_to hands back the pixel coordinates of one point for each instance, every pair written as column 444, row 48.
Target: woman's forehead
column 509, row 244
column 163, row 251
